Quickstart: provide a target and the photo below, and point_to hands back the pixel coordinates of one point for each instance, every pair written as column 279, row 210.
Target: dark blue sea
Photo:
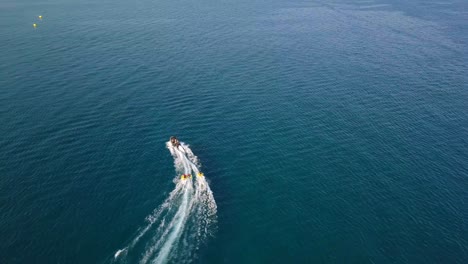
column 327, row 131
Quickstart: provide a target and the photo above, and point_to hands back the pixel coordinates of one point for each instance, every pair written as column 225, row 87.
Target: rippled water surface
column 328, row 131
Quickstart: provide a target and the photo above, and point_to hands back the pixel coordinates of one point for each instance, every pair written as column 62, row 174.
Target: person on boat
column 174, row 141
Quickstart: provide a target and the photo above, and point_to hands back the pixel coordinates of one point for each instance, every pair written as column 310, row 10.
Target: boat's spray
column 176, row 229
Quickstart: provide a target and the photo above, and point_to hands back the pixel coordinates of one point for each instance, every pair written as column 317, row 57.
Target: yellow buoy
column 200, row 174
column 40, row 17
column 34, row 25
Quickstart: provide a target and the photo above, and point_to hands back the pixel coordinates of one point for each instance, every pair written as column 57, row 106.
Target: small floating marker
column 34, row 25
column 40, row 17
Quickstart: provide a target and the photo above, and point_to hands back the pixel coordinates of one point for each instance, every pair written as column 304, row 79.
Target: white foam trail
column 170, row 232
column 118, row 252
column 179, row 220
column 151, row 219
column 184, row 220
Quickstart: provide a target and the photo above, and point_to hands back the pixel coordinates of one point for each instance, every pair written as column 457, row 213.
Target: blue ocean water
column 328, row 131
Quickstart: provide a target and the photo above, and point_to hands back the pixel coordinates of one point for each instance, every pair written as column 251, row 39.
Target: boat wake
column 181, row 224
